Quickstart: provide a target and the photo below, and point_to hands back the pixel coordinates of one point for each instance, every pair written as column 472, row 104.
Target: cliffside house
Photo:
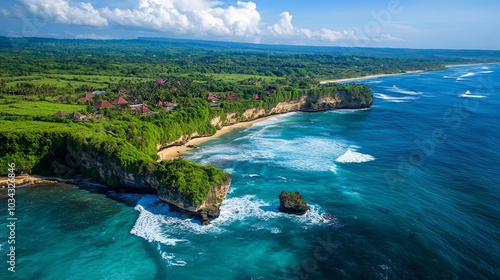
column 231, row 97
column 60, row 114
column 141, row 108
column 212, row 97
column 76, row 115
column 102, row 105
column 170, row 106
column 86, row 98
column 120, row 102
column 160, row 81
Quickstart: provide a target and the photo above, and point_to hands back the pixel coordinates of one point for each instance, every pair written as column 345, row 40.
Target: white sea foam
column 468, row 94
column 229, row 170
column 275, row 230
column 485, row 68
column 351, row 156
column 462, row 77
column 393, row 98
column 149, row 224
column 347, row 111
column 157, row 223
column 171, row 259
column 395, row 88
column 254, row 175
column 273, row 120
column 472, row 96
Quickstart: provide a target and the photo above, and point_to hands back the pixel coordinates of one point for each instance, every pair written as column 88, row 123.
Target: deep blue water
column 409, row 189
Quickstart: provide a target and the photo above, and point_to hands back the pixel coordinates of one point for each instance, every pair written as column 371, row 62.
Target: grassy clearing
column 241, row 77
column 33, row 126
column 39, row 108
column 62, row 80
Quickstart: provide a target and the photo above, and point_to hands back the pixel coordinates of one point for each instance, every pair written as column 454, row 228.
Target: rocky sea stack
column 292, row 203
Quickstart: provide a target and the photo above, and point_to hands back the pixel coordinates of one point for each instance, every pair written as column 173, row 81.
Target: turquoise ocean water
column 409, row 189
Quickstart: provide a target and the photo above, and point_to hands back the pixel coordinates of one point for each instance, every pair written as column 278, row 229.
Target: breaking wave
column 351, row 156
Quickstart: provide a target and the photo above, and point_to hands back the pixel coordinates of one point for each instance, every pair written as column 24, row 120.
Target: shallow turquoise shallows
column 409, row 189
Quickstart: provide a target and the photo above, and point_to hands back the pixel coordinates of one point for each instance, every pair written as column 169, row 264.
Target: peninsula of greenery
column 103, row 109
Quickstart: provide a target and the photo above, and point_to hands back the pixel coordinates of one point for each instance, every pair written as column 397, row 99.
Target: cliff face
column 342, row 100
column 214, row 198
column 150, row 183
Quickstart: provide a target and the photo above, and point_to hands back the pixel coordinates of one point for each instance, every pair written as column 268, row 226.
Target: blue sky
column 386, row 23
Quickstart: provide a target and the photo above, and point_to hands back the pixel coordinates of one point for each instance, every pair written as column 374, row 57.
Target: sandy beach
column 367, row 77
column 171, row 153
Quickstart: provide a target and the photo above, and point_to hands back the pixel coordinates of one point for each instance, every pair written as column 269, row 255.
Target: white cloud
column 189, row 17
column 194, row 18
column 284, row 29
column 61, row 11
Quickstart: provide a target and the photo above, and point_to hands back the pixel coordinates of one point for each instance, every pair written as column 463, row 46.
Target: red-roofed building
column 159, row 103
column 212, row 97
column 232, row 98
column 83, row 100
column 120, row 101
column 271, row 90
column 103, row 105
column 255, row 96
column 86, row 98
column 143, row 109
column 160, row 81
column 60, row 114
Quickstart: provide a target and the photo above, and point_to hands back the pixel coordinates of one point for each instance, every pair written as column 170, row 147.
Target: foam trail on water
column 351, row 156
column 468, row 94
column 395, row 88
column 393, row 98
column 149, row 225
column 469, row 74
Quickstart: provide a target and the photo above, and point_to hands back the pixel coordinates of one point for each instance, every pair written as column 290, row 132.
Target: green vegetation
column 36, row 108
column 39, row 77
column 191, row 179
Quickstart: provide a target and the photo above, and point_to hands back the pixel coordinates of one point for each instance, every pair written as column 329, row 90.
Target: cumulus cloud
column 193, row 18
column 61, row 11
column 286, row 30
column 189, row 17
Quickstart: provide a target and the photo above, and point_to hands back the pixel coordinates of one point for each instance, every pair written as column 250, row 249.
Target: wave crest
column 351, row 156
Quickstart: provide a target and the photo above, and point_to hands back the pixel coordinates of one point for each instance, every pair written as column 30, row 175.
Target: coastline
column 367, row 77
column 173, row 152
column 26, row 180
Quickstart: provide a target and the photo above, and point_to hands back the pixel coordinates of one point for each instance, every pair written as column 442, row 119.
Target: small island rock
column 292, row 203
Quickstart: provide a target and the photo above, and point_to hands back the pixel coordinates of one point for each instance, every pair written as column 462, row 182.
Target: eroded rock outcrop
column 292, row 203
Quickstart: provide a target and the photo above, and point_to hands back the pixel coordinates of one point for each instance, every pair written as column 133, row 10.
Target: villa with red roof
column 103, row 105
column 142, row 108
column 212, row 97
column 120, row 101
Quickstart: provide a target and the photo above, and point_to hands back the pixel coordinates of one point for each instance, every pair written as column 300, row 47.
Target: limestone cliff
column 114, row 175
column 309, row 103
